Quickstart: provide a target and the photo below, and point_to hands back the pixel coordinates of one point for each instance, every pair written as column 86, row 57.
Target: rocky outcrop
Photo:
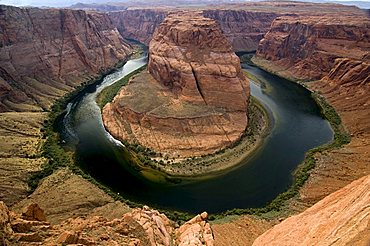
column 342, row 218
column 45, row 53
column 194, row 99
column 347, row 87
column 305, row 48
column 195, row 232
column 141, row 226
column 243, row 28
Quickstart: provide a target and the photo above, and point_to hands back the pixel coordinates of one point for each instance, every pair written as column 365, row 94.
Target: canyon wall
column 45, row 53
column 305, row 48
column 243, row 28
column 138, row 24
column 195, row 97
column 334, row 51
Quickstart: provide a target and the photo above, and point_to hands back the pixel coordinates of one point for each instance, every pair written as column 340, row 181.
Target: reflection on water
column 298, row 127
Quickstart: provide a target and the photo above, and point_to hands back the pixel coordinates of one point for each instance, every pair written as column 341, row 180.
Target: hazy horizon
column 67, row 3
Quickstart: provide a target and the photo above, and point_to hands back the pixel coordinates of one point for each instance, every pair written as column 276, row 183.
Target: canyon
column 333, row 52
column 46, row 53
column 194, row 98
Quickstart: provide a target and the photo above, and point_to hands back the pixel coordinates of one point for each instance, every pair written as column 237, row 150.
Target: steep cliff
column 342, row 218
column 45, row 53
column 334, row 51
column 138, row 24
column 347, row 88
column 305, row 48
column 194, row 99
column 243, row 28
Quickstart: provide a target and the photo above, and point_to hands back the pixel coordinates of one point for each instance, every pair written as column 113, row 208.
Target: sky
column 66, row 3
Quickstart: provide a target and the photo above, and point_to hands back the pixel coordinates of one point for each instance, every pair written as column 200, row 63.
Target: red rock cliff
column 138, row 24
column 196, row 62
column 243, row 28
column 305, row 48
column 45, row 53
column 194, row 100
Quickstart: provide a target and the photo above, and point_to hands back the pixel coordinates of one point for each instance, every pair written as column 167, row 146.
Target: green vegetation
column 108, row 93
column 302, row 173
column 58, row 157
column 246, row 57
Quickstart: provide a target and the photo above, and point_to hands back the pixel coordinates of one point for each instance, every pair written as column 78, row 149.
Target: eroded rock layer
column 193, row 100
column 243, row 28
column 347, row 88
column 45, row 53
column 140, row 226
column 305, row 48
column 342, row 218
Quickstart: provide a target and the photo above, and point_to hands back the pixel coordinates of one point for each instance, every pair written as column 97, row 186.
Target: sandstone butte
column 194, row 97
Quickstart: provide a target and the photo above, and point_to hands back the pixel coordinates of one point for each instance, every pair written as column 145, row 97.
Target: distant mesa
column 193, row 98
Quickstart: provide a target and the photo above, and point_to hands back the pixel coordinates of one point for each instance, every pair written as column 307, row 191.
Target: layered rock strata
column 342, row 218
column 334, row 51
column 193, row 100
column 305, row 48
column 244, row 29
column 45, row 53
column 347, row 88
column 138, row 24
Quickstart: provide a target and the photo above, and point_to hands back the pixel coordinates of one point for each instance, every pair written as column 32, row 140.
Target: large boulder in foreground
column 192, row 100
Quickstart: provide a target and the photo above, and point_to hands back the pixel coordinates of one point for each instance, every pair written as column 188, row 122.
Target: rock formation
column 141, row 226
column 194, row 99
column 335, row 51
column 244, row 29
column 138, row 24
column 45, row 53
column 347, row 88
column 305, row 48
column 342, row 218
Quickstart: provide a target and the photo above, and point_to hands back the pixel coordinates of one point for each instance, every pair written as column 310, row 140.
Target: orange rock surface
column 342, row 218
column 45, row 53
column 141, row 226
column 194, row 99
column 305, row 48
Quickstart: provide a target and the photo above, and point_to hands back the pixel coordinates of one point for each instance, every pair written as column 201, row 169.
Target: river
column 298, row 127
